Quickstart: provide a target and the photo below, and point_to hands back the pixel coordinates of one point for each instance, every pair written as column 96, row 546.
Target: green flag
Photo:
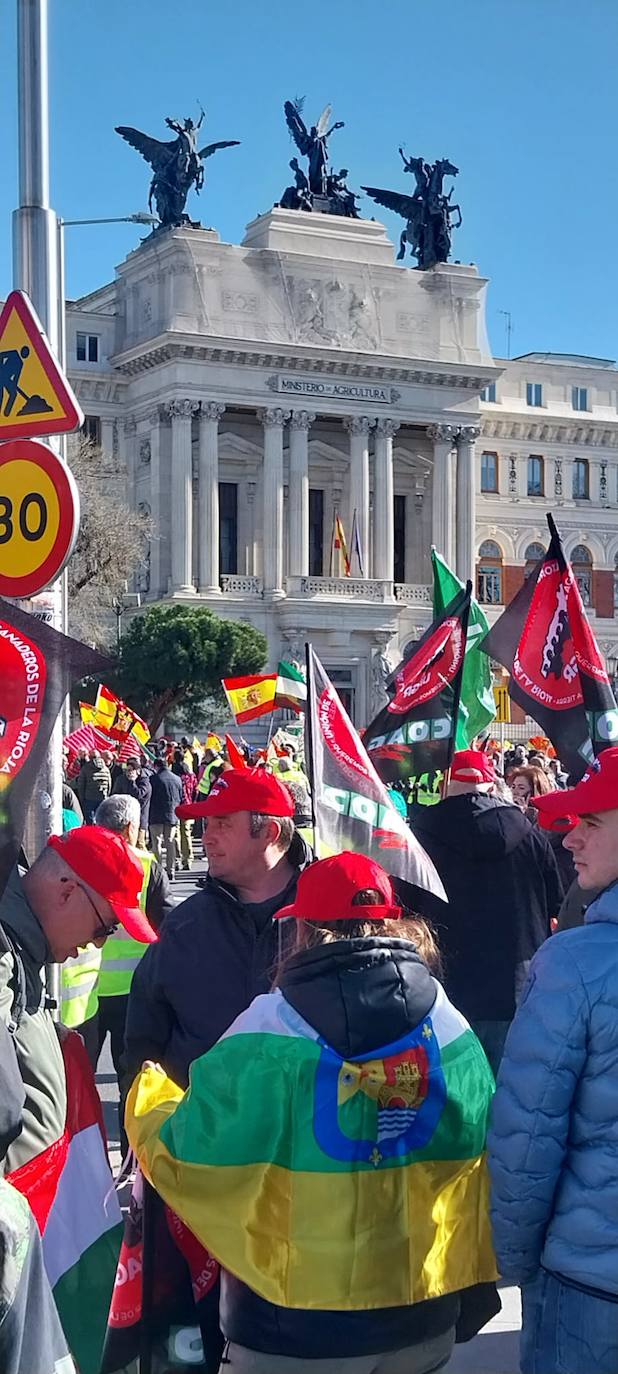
column 477, row 706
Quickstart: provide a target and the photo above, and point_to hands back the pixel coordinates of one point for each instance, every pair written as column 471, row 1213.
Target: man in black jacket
column 503, row 889
column 134, row 782
column 166, row 796
column 218, row 949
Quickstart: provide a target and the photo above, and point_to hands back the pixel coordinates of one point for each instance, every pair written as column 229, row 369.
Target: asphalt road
column 494, row 1351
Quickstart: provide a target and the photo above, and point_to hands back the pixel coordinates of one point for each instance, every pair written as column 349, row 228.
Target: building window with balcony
column 532, row 555
column 316, row 532
column 87, row 348
column 399, row 569
column 489, row 574
column 581, row 480
column 534, row 394
column 91, row 429
column 579, row 397
column 489, row 472
column 489, row 392
column 536, row 484
column 581, row 563
column 228, row 527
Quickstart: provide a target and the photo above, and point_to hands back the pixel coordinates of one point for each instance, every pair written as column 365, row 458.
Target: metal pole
column 35, row 270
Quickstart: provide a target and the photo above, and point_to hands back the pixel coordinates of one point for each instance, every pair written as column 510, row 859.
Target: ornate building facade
column 254, row 391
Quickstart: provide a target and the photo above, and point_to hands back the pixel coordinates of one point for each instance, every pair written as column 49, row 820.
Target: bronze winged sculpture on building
column 323, row 189
column 427, row 211
column 177, row 165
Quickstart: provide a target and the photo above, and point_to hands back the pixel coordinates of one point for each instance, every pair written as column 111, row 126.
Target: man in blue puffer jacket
column 554, row 1139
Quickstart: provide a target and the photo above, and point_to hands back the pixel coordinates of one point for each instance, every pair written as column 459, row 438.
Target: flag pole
column 148, row 1271
column 465, row 616
column 310, row 739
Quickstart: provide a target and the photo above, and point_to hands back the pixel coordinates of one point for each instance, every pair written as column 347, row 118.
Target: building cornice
column 168, row 349
column 545, row 430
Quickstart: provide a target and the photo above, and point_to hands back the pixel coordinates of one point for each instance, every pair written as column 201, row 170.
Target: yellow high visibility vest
column 120, row 953
column 80, row 998
column 203, row 785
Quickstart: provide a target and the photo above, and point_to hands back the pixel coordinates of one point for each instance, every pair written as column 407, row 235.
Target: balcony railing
column 413, row 594
column 241, row 585
column 346, row 588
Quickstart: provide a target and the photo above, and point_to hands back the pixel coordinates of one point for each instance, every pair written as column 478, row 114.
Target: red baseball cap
column 597, row 791
column 103, row 859
column 326, row 888
column 472, row 765
column 241, row 789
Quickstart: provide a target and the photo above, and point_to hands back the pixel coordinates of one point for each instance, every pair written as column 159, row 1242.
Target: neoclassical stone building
column 255, row 391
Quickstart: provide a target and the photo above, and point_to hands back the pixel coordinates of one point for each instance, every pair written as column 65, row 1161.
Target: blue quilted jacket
column 554, row 1138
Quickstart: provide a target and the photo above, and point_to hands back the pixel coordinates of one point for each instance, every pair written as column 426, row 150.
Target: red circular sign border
column 32, row 451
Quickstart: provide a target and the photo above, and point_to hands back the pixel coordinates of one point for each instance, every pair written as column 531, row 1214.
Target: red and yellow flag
column 117, row 718
column 339, row 545
column 250, row 697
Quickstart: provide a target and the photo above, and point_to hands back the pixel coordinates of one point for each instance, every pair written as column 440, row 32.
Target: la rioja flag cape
column 558, row 675
column 414, row 733
column 352, row 807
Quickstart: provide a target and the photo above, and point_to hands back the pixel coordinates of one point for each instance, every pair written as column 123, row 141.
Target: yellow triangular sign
column 35, row 396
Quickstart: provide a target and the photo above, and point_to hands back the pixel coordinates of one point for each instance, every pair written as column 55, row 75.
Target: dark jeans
column 112, row 1018
column 89, row 1031
column 567, row 1331
column 492, row 1035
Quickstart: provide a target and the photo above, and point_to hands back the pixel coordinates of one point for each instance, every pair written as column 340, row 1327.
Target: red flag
column 558, row 674
column 235, row 755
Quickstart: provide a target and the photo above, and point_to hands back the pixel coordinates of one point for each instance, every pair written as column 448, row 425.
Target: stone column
column 181, row 414
column 443, row 439
column 466, row 503
column 273, row 420
column 299, row 492
column 359, row 427
column 383, row 502
column 130, row 458
column 107, row 436
column 208, row 498
column 156, row 579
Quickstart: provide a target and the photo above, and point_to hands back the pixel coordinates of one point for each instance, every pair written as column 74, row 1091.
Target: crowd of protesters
column 515, row 977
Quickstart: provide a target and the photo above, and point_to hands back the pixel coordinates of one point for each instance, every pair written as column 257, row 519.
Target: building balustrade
column 241, row 585
column 413, row 594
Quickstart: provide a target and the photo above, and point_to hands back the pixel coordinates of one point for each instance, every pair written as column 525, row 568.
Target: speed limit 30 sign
column 39, row 517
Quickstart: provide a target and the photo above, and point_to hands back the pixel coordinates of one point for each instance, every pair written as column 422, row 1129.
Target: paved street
column 495, row 1351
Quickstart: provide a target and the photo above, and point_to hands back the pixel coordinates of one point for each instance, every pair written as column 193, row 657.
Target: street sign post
column 35, row 396
column 39, row 517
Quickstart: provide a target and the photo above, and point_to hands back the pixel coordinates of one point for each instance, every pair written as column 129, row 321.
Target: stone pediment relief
column 343, row 314
column 232, row 446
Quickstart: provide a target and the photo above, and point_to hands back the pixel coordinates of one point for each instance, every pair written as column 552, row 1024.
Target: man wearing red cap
column 554, row 1142
column 503, row 888
column 80, row 888
column 217, row 950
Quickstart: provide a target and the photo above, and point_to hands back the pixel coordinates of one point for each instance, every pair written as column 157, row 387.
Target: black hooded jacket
column 360, row 995
column 503, row 888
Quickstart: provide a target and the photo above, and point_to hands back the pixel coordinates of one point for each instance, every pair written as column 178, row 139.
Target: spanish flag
column 117, row 718
column 249, row 697
column 364, row 1181
column 339, row 545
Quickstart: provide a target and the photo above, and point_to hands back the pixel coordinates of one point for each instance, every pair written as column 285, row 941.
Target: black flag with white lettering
column 558, row 675
column 37, row 668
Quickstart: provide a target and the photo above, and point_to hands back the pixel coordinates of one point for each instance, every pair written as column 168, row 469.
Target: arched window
column 581, row 563
column 532, row 555
column 489, row 574
column 581, row 483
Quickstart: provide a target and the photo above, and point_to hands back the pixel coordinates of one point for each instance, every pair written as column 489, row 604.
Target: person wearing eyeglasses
column 80, row 889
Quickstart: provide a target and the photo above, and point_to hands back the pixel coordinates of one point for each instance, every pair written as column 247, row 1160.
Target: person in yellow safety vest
column 211, row 761
column 119, row 961
column 80, row 997
column 288, row 770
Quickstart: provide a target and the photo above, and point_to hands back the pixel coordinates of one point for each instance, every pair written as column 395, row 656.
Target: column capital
column 211, row 410
column 358, row 424
column 302, row 419
column 468, row 434
column 182, row 410
column 387, row 428
column 273, row 417
column 443, row 433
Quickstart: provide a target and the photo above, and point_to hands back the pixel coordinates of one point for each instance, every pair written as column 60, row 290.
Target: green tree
column 176, row 656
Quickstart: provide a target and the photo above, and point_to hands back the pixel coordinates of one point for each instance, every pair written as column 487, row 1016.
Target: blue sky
column 520, row 94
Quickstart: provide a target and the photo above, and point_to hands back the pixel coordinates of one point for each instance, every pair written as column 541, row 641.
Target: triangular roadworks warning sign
column 35, row 396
